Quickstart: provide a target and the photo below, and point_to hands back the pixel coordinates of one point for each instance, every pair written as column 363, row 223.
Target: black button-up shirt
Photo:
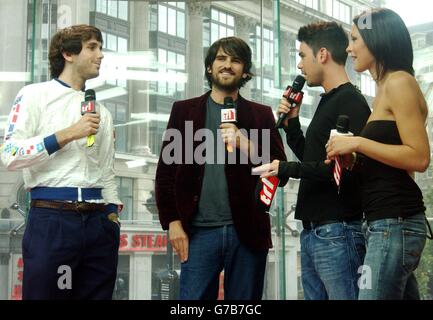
column 318, row 198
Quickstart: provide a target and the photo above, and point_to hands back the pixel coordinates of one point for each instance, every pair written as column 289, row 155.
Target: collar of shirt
column 330, row 93
column 67, row 85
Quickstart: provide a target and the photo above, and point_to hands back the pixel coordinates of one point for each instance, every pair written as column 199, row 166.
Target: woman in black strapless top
column 392, row 146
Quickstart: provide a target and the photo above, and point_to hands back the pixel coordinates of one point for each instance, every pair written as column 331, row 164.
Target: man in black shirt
column 332, row 245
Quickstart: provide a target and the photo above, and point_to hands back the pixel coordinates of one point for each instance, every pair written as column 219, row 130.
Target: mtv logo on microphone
column 228, row 115
column 88, row 107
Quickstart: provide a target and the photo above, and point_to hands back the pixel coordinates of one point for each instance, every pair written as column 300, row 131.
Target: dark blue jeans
column 210, row 251
column 330, row 258
column 87, row 244
column 394, row 248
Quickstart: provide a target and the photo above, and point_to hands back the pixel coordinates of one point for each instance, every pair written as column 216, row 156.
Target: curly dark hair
column 329, row 35
column 235, row 47
column 69, row 40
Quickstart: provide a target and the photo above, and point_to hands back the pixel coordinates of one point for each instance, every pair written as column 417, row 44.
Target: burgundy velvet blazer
column 178, row 186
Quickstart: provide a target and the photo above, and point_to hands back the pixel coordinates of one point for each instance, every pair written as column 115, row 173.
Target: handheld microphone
column 228, row 115
column 294, row 95
column 342, row 129
column 266, row 189
column 89, row 106
column 342, row 124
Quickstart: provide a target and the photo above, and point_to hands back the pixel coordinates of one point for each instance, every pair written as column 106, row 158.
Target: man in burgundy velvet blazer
column 186, row 197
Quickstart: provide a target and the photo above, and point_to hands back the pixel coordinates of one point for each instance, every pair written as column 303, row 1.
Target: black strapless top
column 387, row 192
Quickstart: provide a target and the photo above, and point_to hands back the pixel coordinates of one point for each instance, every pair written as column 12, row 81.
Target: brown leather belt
column 68, row 206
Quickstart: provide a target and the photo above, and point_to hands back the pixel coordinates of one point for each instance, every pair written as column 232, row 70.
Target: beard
column 228, row 86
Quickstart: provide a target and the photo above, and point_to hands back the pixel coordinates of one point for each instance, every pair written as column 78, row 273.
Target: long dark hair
column 388, row 40
column 235, row 47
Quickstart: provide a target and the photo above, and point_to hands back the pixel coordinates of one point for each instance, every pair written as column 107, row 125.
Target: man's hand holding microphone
column 290, row 102
column 87, row 126
column 230, row 133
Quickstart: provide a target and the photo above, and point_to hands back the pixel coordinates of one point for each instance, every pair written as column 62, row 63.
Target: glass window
column 268, row 47
column 221, row 25
column 101, row 6
column 223, row 18
column 122, row 45
column 125, row 187
column 112, row 8
column 214, row 33
column 230, row 21
column 171, row 59
column 340, row 11
column 180, row 61
column 180, row 24
column 162, row 57
column 172, row 18
column 310, row 3
column 162, row 18
column 111, row 42
column 222, row 32
column 214, row 14
column 123, row 10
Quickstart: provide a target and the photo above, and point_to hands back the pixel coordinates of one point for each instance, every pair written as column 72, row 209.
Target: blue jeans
column 210, row 251
column 394, row 248
column 330, row 258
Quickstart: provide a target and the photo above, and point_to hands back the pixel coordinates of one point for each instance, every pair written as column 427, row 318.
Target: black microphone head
column 343, row 124
column 89, row 95
column 228, row 102
column 298, row 84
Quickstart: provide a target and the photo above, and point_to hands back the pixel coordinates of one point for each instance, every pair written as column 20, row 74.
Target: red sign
column 154, row 242
column 17, row 277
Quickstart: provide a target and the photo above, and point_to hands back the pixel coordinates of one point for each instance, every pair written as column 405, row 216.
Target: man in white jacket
column 70, row 245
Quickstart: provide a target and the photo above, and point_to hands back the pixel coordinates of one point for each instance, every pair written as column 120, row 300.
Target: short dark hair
column 69, row 40
column 235, row 47
column 388, row 40
column 329, row 35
